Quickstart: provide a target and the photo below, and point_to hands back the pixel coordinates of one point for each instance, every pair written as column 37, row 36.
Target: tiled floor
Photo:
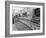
column 25, row 25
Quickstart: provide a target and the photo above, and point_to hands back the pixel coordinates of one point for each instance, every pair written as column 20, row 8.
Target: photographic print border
column 7, row 18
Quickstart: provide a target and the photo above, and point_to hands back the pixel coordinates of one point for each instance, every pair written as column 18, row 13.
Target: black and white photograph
column 25, row 18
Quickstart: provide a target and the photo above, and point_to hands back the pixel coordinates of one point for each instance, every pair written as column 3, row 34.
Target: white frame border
column 23, row 32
